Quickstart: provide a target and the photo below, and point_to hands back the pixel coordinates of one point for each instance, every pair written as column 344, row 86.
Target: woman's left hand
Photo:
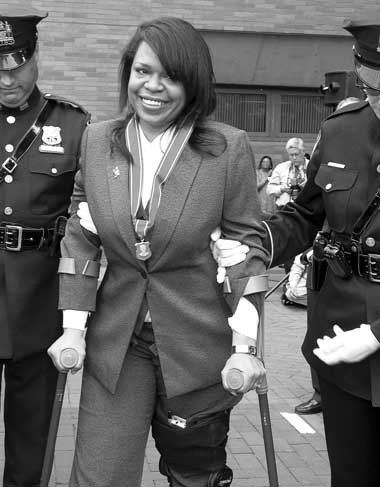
column 252, row 372
column 347, row 346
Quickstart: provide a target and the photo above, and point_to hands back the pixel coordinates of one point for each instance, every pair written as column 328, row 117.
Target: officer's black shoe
column 312, row 406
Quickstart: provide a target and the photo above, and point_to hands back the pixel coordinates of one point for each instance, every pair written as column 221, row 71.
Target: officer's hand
column 72, row 339
column 347, row 346
column 252, row 373
column 226, row 252
column 285, row 188
column 85, row 218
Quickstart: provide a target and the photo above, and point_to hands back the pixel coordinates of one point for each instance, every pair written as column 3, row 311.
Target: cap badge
column 6, row 34
column 52, row 139
column 378, row 46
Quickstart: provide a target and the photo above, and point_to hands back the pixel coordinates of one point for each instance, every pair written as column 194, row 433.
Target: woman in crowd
column 160, row 332
column 264, row 171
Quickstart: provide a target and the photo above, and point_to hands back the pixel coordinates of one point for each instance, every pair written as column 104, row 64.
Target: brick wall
column 80, row 42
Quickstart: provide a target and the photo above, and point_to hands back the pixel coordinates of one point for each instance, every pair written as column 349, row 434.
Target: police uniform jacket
column 178, row 282
column 343, row 176
column 33, row 196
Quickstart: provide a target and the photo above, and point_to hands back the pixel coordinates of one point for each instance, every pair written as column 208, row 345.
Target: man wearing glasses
column 342, row 196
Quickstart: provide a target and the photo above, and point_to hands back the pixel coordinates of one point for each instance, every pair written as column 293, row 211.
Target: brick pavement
column 301, row 458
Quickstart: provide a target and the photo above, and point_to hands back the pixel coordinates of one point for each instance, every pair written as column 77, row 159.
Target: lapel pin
column 116, row 172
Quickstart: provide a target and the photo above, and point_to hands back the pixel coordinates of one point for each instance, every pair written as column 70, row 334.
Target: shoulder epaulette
column 351, row 107
column 60, row 99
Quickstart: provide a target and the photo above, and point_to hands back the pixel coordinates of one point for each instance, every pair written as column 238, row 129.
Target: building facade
column 270, row 56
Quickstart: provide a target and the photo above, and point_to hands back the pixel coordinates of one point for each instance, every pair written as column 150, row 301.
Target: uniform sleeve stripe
column 271, row 243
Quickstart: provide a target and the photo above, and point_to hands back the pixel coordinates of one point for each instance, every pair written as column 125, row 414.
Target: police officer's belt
column 16, row 238
column 11, row 162
column 365, row 265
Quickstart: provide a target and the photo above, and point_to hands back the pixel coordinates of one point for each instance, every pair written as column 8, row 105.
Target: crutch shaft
column 69, row 358
column 268, row 439
column 52, row 436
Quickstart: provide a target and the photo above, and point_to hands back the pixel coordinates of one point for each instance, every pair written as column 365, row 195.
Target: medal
column 143, row 223
column 143, row 251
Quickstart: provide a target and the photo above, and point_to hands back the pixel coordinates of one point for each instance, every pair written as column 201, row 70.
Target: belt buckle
column 372, row 260
column 9, row 165
column 11, row 230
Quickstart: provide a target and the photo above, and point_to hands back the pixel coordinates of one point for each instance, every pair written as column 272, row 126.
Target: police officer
column 39, row 145
column 343, row 340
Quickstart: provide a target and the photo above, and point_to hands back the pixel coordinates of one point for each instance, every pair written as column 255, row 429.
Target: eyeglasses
column 367, row 90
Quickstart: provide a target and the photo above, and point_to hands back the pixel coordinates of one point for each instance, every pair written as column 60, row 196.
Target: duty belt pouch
column 58, row 234
column 316, row 274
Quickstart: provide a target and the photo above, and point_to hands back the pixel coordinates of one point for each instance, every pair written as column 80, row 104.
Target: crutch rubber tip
column 69, row 358
column 235, row 379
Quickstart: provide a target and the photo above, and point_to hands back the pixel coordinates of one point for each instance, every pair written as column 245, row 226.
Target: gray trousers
column 113, row 428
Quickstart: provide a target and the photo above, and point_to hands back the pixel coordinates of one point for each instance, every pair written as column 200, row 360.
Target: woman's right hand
column 72, row 338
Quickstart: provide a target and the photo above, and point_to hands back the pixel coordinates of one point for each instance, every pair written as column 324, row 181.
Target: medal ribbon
column 166, row 166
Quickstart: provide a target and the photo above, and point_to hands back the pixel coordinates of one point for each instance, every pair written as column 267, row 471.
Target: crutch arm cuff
column 256, row 284
column 91, row 268
column 66, row 265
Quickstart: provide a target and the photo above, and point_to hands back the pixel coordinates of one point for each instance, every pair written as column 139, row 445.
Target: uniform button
column 8, row 178
column 8, row 210
column 11, row 119
column 378, row 168
column 54, row 170
column 370, row 241
column 9, row 148
column 143, row 274
column 328, row 186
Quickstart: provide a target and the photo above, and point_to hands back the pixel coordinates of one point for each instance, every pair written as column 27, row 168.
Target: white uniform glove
column 347, row 346
column 226, row 252
column 85, row 218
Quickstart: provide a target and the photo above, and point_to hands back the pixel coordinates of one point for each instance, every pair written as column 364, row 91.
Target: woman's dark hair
column 186, row 58
column 261, row 162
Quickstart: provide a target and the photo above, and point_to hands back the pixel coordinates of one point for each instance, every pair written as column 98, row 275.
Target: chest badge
column 51, row 138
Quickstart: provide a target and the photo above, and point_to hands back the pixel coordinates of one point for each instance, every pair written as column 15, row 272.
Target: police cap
column 18, row 35
column 366, row 50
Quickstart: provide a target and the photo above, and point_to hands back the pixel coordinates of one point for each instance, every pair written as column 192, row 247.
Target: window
column 244, row 111
column 302, row 114
column 274, row 113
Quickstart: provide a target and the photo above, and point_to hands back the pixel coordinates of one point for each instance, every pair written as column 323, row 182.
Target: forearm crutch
column 235, row 380
column 69, row 358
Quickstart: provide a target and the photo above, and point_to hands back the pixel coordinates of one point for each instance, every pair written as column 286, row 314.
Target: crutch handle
column 69, row 358
column 235, row 379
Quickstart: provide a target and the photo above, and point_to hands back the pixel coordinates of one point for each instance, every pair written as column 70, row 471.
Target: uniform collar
column 30, row 103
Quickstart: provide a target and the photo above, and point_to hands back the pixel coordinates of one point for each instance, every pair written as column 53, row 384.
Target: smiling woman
column 157, row 182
